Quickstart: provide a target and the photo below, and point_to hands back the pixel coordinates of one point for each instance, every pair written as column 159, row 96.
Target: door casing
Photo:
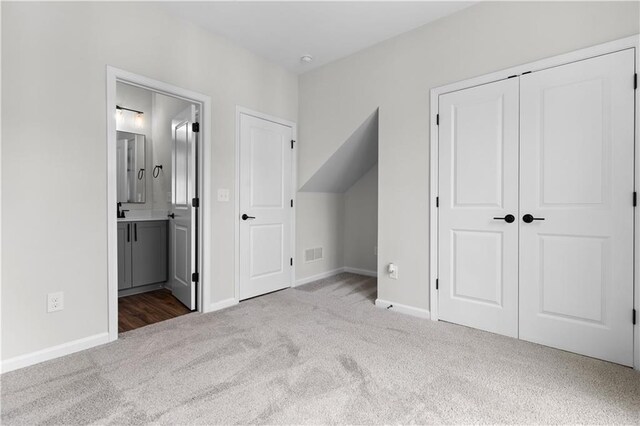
column 632, row 42
column 294, row 189
column 204, row 177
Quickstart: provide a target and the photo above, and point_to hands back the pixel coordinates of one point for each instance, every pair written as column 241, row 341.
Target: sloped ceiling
column 350, row 162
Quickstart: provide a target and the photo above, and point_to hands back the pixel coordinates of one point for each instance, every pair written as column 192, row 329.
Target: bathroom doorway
column 156, row 143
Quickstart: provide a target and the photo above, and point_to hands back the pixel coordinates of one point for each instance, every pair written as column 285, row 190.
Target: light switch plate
column 223, row 195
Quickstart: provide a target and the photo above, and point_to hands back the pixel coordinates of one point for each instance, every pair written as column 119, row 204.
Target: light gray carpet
column 321, row 353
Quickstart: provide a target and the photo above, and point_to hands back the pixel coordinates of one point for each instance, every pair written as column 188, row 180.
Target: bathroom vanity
column 142, row 253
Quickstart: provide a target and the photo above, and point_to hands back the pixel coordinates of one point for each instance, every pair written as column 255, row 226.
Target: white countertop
column 143, row 216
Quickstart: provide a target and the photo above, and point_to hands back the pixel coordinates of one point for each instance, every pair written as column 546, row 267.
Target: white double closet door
column 554, row 151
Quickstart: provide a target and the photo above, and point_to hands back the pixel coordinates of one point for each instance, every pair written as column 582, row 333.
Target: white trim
column 636, row 263
column 632, row 42
column 294, row 190
column 359, row 271
column 57, row 351
column 320, row 276
column 403, row 309
column 223, row 304
column 205, row 253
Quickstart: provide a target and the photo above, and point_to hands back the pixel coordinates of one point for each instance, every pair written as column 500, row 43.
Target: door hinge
column 635, row 198
column 195, row 202
column 195, row 127
column 291, row 261
column 437, row 202
column 437, row 119
column 195, row 277
column 291, row 203
column 633, row 317
column 292, row 142
column 635, row 81
column 437, row 285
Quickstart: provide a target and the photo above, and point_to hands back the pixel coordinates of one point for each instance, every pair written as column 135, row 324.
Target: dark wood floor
column 148, row 308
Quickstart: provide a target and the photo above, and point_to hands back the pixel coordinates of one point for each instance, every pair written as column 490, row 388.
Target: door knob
column 245, row 217
column 508, row 218
column 527, row 218
column 171, row 215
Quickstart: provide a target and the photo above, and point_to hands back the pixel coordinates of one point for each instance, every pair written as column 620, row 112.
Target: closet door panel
column 478, row 185
column 577, row 171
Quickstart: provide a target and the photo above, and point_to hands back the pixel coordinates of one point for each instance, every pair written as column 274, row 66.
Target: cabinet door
column 576, row 262
column 124, row 255
column 149, row 252
column 478, row 234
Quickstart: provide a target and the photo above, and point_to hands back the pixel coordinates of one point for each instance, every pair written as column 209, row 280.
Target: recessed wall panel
column 266, row 169
column 181, row 259
column 573, row 272
column 575, row 150
column 266, row 249
column 181, row 166
column 477, row 266
column 478, row 144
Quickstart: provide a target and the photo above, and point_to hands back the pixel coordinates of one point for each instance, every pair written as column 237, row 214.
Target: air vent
column 313, row 254
column 309, row 255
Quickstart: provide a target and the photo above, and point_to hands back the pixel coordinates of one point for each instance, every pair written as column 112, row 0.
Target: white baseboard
column 317, row 277
column 226, row 303
column 359, row 271
column 403, row 309
column 57, row 351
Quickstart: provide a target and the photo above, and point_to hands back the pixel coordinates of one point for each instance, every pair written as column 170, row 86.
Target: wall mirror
column 132, row 174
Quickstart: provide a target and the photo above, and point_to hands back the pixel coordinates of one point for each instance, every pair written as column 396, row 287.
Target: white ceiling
column 284, row 31
column 355, row 157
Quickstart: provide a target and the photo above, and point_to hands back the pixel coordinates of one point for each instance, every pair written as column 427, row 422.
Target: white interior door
column 265, row 206
column 182, row 218
column 478, row 185
column 577, row 171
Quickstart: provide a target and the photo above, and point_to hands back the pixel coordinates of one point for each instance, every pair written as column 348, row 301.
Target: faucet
column 120, row 213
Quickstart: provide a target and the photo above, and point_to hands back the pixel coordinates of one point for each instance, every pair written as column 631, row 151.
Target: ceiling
column 355, row 157
column 282, row 32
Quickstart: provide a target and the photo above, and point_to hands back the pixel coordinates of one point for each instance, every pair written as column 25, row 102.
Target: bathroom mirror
column 132, row 173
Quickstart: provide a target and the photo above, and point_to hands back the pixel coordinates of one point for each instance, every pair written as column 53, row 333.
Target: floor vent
column 313, row 254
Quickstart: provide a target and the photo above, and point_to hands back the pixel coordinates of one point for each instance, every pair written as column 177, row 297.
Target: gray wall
column 54, row 157
column 396, row 76
column 139, row 99
column 319, row 223
column 54, row 136
column 361, row 223
column 345, row 225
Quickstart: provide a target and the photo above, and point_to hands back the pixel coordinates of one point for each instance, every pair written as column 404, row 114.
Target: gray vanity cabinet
column 149, row 254
column 142, row 253
column 124, row 255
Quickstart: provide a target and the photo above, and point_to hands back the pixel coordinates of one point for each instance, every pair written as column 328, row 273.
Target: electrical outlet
column 55, row 301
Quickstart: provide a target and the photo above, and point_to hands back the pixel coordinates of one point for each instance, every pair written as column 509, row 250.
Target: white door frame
column 294, row 189
column 205, row 254
column 632, row 42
